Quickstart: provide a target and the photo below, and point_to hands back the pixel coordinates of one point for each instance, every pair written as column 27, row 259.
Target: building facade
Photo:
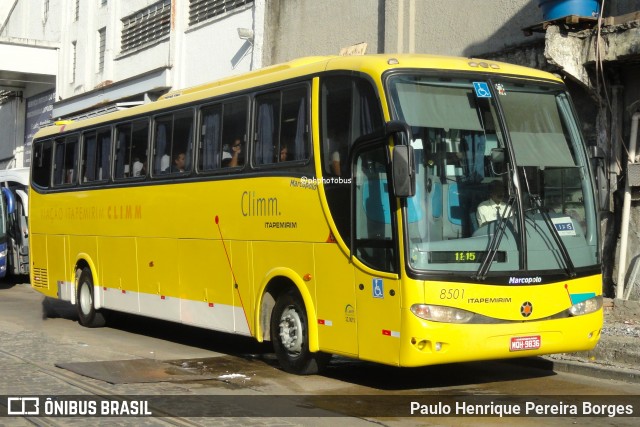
column 113, row 54
column 134, row 51
column 28, row 67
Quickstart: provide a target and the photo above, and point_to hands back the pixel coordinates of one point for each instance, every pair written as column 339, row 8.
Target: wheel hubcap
column 291, row 331
column 86, row 301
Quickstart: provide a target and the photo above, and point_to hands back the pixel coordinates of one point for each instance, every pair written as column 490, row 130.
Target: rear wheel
column 290, row 337
column 87, row 314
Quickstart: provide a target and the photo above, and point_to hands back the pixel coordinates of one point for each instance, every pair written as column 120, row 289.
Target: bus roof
column 370, row 64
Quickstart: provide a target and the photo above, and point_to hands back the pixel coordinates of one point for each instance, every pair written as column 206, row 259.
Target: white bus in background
column 14, row 216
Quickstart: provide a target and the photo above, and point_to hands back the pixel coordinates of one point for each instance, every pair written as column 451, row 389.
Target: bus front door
column 373, row 244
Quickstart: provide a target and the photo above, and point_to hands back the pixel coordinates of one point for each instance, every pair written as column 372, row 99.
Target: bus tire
column 290, row 337
column 87, row 314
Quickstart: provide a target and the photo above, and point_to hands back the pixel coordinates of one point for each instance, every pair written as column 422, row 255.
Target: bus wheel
column 87, row 314
column 290, row 337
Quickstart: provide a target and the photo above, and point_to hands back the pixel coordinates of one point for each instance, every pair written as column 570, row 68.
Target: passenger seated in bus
column 284, row 154
column 232, row 158
column 335, row 163
column 488, row 210
column 179, row 161
column 338, row 155
column 339, row 152
column 138, row 167
column 164, row 163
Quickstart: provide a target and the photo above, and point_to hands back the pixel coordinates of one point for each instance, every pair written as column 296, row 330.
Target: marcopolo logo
column 524, row 280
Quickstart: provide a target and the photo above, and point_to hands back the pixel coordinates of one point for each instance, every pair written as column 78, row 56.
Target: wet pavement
column 224, row 372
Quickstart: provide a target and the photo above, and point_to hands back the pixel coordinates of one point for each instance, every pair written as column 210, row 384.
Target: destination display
column 455, row 257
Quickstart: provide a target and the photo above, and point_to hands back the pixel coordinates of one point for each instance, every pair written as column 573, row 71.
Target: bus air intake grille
column 40, row 279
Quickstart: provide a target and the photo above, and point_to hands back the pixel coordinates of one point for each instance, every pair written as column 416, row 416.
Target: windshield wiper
column 498, row 233
column 571, row 270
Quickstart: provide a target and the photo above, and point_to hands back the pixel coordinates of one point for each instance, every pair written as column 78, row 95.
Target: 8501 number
column 451, row 293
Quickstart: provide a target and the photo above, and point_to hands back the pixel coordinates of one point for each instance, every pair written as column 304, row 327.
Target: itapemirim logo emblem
column 526, row 309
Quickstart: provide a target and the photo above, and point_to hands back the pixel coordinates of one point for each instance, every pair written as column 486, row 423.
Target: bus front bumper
column 429, row 343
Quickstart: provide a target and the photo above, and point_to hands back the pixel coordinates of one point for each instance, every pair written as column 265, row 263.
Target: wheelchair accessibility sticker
column 482, row 89
column 378, row 288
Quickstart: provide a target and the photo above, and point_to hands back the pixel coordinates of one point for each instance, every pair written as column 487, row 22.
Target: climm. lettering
column 124, row 212
column 252, row 205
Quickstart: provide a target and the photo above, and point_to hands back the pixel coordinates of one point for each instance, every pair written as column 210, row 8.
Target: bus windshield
column 502, row 177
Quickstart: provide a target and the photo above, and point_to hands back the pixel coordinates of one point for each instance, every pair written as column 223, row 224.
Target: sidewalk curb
column 581, row 367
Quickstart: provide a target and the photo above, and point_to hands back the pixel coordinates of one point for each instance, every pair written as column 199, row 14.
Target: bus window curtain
column 211, row 144
column 264, row 145
column 189, row 154
column 59, row 164
column 360, row 114
column 106, row 148
column 121, row 154
column 90, row 162
column 161, row 144
column 366, row 126
column 300, row 152
column 73, row 166
column 474, row 155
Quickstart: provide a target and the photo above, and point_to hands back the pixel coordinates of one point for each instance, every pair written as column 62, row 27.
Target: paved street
column 221, row 376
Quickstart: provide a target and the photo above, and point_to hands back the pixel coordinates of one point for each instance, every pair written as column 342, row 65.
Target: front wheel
column 87, row 314
column 290, row 337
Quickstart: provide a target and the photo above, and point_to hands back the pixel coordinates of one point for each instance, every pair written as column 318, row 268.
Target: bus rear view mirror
column 497, row 156
column 404, row 171
column 497, row 161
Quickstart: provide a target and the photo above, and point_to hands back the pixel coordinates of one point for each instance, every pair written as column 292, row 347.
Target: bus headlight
column 438, row 313
column 3, row 254
column 586, row 306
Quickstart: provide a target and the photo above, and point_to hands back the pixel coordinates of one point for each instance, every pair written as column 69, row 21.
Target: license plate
column 525, row 343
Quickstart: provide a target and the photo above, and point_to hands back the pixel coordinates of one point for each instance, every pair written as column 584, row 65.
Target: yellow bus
column 403, row 209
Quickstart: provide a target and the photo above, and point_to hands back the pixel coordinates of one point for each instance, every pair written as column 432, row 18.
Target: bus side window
column 234, row 131
column 173, row 140
column 41, row 169
column 162, row 145
column 131, row 149
column 96, row 147
column 349, row 108
column 282, row 130
column 65, row 161
column 139, row 148
column 182, row 141
column 123, row 151
column 294, row 126
column 210, row 147
column 267, row 128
